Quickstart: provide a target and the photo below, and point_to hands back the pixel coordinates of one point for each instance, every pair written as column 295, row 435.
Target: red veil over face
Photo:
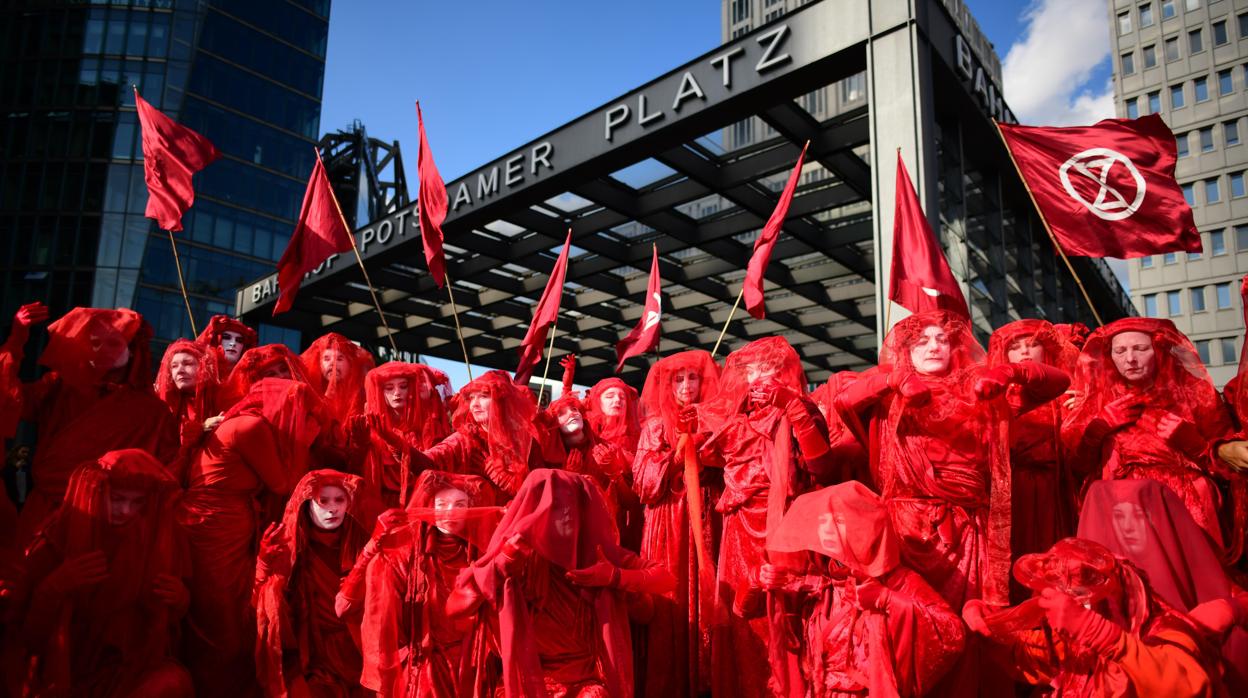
column 622, row 429
column 1058, row 350
column 658, row 397
column 424, row 414
column 855, row 520
column 85, row 343
column 965, row 352
column 198, row 404
column 734, row 386
column 344, row 393
column 254, row 365
column 509, row 430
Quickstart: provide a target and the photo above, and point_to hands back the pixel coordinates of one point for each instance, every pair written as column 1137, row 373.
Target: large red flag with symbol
column 645, row 336
column 1106, row 190
column 920, row 278
column 172, row 154
column 432, row 200
column 320, row 232
column 544, row 315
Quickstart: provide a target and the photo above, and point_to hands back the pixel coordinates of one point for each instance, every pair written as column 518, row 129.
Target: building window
column 1229, row 354
column 1128, row 64
column 1195, row 41
column 1133, row 108
column 1202, row 350
column 1201, row 88
column 1190, row 5
column 1206, row 139
column 854, row 88
column 740, row 10
column 1243, row 25
column 1213, row 194
column 1176, row 96
column 1198, row 299
column 1170, row 258
column 1219, row 33
column 1189, row 193
column 1241, row 238
column 1154, row 102
column 741, row 30
column 1237, row 185
column 1230, row 133
column 1146, row 15
column 1226, row 85
column 1176, row 305
column 1150, row 56
column 1180, row 142
column 1171, row 47
column 1224, row 296
column 1146, row 262
column 1217, row 242
column 1193, row 256
column 1167, row 9
column 1150, row 305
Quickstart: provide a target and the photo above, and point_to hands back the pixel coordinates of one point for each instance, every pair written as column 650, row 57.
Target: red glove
column 514, row 554
column 874, row 596
column 1081, row 625
column 914, row 390
column 973, row 614
column 773, row 577
column 991, row 382
column 600, row 574
column 171, row 592
column 77, row 572
column 274, row 557
column 569, row 372
column 26, row 317
column 1122, row 412
column 1181, row 435
column 687, row 421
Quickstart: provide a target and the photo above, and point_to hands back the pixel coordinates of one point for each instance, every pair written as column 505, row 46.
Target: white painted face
column 329, row 507
column 110, row 349
column 1131, row 527
column 277, row 369
column 1025, row 349
column 232, row 346
column 125, row 505
column 396, row 392
column 930, row 354
column 612, row 402
column 832, row 530
column 184, row 371
column 686, row 386
column 1134, row 356
column 479, row 408
column 571, row 421
column 760, row 371
column 334, row 365
column 450, row 500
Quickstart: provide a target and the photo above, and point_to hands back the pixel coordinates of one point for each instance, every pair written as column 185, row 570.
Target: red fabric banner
column 320, row 232
column 766, row 242
column 920, row 278
column 645, row 336
column 544, row 316
column 432, row 205
column 171, row 155
column 1106, row 190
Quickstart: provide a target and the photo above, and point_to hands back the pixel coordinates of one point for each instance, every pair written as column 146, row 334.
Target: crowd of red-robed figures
column 1065, row 510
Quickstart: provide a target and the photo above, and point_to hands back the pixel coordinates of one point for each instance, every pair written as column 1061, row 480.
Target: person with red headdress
column 494, row 434
column 557, row 582
column 402, row 411
column 227, row 339
column 665, row 475
column 261, row 446
column 857, row 619
column 771, row 444
column 187, row 383
column 1145, row 408
column 1145, row 523
column 97, row 397
column 1043, row 497
column 105, row 585
column 1095, row 628
column 267, row 361
column 402, row 582
column 302, row 647
column 335, row 367
column 612, row 411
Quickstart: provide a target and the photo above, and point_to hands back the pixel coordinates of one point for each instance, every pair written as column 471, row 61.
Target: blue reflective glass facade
column 247, row 75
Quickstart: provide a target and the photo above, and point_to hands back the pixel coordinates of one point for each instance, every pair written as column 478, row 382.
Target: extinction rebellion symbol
column 1097, row 165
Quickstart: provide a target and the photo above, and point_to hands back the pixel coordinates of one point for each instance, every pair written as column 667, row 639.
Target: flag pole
column 455, row 314
column 1056, row 245
column 541, row 388
column 729, row 320
column 355, row 248
column 177, row 263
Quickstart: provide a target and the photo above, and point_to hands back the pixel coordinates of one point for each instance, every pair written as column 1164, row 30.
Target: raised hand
column 1122, row 412
column 774, row 577
column 914, row 391
column 170, row 591
column 600, row 574
column 273, row 557
column 77, row 572
column 991, row 382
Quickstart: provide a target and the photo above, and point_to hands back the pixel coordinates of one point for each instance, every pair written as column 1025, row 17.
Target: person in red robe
column 853, row 620
column 97, row 397
column 187, row 383
column 556, row 583
column 1043, row 497
column 105, row 586
column 1096, row 628
column 771, row 444
column 613, row 414
column 227, row 339
column 666, row 474
column 267, row 361
column 1145, row 523
column 302, row 647
column 402, row 582
column 494, row 434
column 402, row 412
column 335, row 367
column 580, row 450
column 1145, row 408
column 262, row 446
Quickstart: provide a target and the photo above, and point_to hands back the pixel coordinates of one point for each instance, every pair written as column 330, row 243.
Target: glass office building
column 246, row 75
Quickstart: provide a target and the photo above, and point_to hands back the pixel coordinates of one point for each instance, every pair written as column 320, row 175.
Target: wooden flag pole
column 177, row 263
column 541, row 388
column 1056, row 245
column 455, row 314
column 729, row 320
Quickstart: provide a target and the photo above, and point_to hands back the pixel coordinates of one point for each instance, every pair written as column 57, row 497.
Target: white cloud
column 1048, row 71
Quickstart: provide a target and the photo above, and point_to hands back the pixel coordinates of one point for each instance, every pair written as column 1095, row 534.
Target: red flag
column 920, row 278
column 544, row 316
column 432, row 205
column 171, row 155
column 320, row 232
column 645, row 336
column 767, row 241
column 1106, row 190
